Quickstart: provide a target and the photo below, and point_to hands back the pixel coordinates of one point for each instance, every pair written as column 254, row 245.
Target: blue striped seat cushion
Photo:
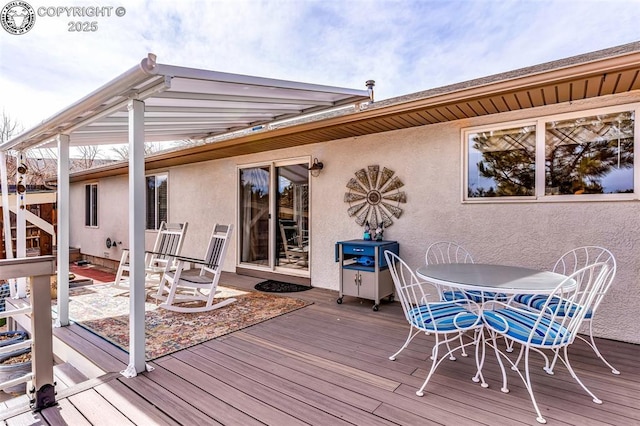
column 537, row 301
column 442, row 317
column 521, row 326
column 476, row 296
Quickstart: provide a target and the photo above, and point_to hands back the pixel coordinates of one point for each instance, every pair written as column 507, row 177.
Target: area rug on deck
column 270, row 286
column 104, row 311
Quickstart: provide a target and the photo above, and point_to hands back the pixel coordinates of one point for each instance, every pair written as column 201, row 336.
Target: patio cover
column 150, row 103
column 182, row 103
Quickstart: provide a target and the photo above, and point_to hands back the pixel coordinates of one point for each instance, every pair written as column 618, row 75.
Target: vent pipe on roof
column 149, row 63
column 370, row 84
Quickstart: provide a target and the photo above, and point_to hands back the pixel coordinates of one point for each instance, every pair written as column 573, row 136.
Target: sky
column 405, row 46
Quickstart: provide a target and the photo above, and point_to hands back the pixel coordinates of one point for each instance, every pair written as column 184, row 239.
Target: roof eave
column 321, row 129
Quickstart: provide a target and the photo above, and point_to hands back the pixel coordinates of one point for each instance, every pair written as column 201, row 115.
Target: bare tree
column 122, row 151
column 8, row 127
column 88, row 155
column 42, row 163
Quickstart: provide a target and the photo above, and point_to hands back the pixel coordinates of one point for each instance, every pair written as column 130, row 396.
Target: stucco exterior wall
column 428, row 160
column 113, row 218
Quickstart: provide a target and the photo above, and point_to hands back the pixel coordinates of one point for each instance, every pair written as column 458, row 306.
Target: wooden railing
column 40, row 380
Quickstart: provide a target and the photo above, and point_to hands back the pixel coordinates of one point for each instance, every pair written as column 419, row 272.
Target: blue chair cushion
column 476, row 296
column 537, row 301
column 449, row 295
column 442, row 317
column 521, row 325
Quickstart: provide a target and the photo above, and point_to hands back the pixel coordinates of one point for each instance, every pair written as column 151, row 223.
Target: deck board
column 132, row 405
column 328, row 364
column 282, row 377
column 303, row 389
column 168, row 398
column 98, row 410
column 249, row 397
column 65, row 413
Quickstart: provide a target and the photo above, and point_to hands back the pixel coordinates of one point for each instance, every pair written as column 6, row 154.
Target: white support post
column 21, row 224
column 137, row 195
column 43, row 390
column 62, row 241
column 6, row 217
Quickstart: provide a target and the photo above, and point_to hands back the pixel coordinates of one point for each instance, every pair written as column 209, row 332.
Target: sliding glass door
column 255, row 184
column 274, row 217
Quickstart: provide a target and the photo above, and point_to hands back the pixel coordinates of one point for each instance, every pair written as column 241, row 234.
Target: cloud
column 406, row 46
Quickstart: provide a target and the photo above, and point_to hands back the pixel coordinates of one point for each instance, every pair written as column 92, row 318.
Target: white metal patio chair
column 554, row 327
column 180, row 291
column 451, row 252
column 568, row 263
column 447, row 252
column 168, row 243
column 448, row 321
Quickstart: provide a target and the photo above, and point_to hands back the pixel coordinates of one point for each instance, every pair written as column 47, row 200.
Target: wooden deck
column 327, row 364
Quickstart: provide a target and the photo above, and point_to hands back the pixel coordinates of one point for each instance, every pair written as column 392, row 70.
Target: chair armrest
column 192, row 260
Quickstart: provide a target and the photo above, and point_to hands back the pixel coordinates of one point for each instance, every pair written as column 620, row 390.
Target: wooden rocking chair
column 168, row 244
column 177, row 287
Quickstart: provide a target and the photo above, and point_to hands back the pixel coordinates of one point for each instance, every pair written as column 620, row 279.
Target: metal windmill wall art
column 374, row 196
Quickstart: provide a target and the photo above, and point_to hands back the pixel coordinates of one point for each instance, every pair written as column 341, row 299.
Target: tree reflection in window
column 590, row 155
column 587, row 155
column 502, row 162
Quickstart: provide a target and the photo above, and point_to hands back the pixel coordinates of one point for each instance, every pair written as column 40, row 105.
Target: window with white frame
column 91, row 204
column 586, row 155
column 156, row 200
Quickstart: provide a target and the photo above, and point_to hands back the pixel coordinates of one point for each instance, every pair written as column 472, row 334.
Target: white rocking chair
column 295, row 247
column 168, row 244
column 177, row 287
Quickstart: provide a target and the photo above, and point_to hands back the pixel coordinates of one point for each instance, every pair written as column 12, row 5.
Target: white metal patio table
column 488, row 281
column 491, row 278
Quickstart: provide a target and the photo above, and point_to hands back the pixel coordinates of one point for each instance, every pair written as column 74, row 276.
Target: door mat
column 271, row 286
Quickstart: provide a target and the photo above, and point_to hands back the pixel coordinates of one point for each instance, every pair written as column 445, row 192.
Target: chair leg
column 449, row 351
column 410, row 337
column 592, row 343
column 171, row 293
column 539, row 419
column 509, row 344
column 565, row 361
column 463, row 352
column 163, row 287
column 494, row 342
column 480, row 346
column 124, row 260
column 526, row 379
column 437, row 360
